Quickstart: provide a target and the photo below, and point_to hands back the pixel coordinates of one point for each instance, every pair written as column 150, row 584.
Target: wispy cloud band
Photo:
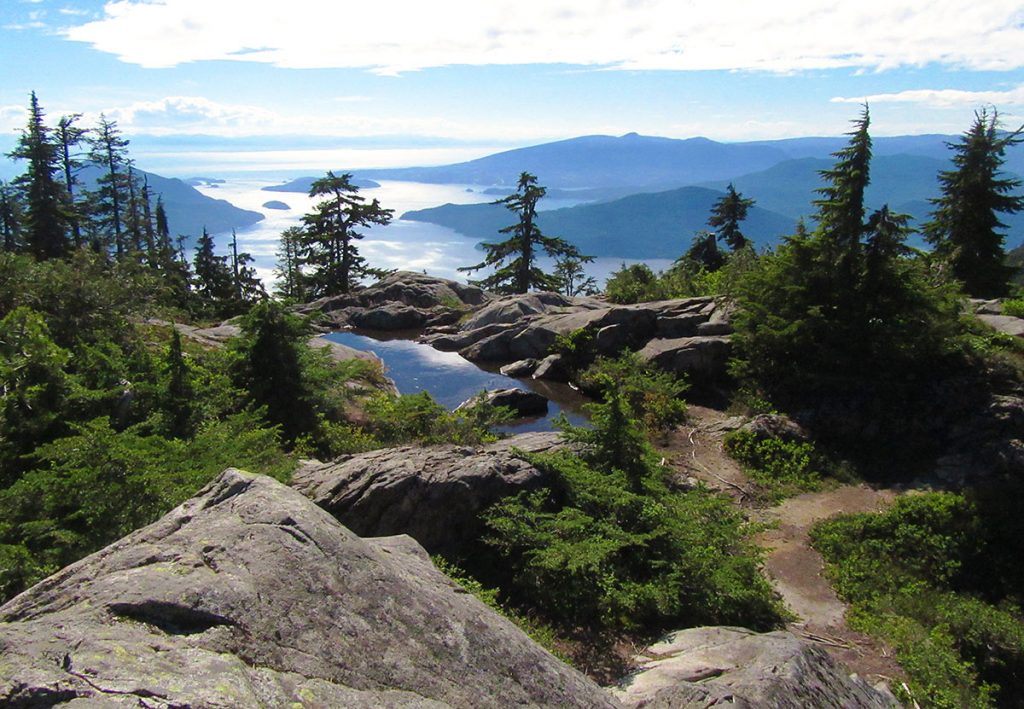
column 393, row 36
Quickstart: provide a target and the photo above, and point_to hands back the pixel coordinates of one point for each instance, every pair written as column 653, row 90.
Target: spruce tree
column 704, row 252
column 331, row 234
column 290, row 281
column 45, row 220
column 515, row 259
column 109, row 150
column 965, row 228
column 10, row 218
column 212, row 276
column 726, row 215
column 68, row 137
column 179, row 404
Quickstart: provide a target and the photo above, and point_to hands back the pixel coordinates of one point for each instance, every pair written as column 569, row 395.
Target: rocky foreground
column 250, row 595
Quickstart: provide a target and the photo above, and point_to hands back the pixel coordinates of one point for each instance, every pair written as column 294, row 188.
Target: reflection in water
column 451, row 379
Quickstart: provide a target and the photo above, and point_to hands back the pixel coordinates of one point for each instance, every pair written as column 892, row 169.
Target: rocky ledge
column 401, row 301
column 734, row 667
column 433, row 493
column 689, row 335
column 248, row 595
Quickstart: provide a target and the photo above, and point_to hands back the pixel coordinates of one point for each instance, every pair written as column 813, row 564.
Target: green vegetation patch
column 937, row 576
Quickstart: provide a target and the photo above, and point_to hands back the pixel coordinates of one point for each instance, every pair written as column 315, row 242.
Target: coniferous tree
column 45, row 220
column 178, row 391
column 109, row 150
column 247, row 286
column 212, row 276
column 515, row 259
column 704, row 252
column 843, row 314
column 331, row 234
column 290, row 281
column 10, row 218
column 69, row 137
column 965, row 227
column 572, row 279
column 726, row 215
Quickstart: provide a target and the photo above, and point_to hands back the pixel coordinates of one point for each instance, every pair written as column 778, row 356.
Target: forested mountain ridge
column 649, row 225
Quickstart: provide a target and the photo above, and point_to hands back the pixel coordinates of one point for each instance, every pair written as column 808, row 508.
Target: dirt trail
column 793, row 567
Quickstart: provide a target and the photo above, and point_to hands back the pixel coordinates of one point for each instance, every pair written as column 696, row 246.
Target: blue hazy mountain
column 188, row 210
column 303, row 184
column 905, row 182
column 649, row 225
column 598, row 161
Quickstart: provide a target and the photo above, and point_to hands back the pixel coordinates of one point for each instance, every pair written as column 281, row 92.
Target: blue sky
column 467, row 76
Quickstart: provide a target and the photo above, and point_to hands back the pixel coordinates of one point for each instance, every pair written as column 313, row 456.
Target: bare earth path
column 792, row 566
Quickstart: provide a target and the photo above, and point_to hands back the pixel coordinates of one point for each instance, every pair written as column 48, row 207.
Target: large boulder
column 705, row 357
column 716, row 666
column 248, row 595
column 521, row 402
column 432, row 493
column 411, row 300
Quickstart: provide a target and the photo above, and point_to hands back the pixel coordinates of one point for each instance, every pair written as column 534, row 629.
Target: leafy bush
column 1014, row 307
column 654, row 396
column 782, row 468
column 418, row 418
column 607, row 544
column 935, row 576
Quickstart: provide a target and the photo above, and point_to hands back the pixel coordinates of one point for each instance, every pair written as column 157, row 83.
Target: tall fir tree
column 965, row 228
column 290, row 282
column 68, row 137
column 331, row 234
column 726, row 215
column 45, row 217
column 212, row 276
column 10, row 218
column 515, row 259
column 109, row 150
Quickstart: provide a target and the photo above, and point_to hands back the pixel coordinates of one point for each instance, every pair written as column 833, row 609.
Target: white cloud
column 392, row 36
column 191, row 114
column 944, row 98
column 13, row 118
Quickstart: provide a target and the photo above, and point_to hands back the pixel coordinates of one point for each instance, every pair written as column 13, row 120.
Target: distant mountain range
column 653, row 225
column 188, row 210
column 303, row 184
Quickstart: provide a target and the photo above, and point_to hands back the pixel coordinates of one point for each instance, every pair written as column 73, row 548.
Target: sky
column 454, row 79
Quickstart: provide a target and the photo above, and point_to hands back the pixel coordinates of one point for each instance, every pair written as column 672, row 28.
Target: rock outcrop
column 689, row 335
column 715, row 666
column 433, row 493
column 248, row 595
column 400, row 301
column 521, row 402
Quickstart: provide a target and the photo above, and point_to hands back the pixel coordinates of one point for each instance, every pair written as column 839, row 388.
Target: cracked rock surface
column 250, row 595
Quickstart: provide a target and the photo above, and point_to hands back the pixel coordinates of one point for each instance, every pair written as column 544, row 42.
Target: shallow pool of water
column 451, row 379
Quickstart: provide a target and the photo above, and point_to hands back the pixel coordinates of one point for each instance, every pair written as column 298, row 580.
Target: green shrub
column 418, row 418
column 654, row 396
column 781, row 468
column 608, row 545
column 1014, row 307
column 916, row 575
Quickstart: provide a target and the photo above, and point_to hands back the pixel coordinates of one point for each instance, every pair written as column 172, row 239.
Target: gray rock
column 437, row 300
column 715, row 666
column 704, row 357
column 1004, row 323
column 388, row 316
column 250, row 596
column 513, row 308
column 521, row 402
column 553, row 368
column 521, row 368
column 433, row 493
